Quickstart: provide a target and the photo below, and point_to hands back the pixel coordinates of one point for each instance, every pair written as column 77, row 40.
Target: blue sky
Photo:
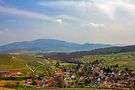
column 80, row 21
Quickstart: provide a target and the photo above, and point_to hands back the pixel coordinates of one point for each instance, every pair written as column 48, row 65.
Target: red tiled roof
column 11, row 73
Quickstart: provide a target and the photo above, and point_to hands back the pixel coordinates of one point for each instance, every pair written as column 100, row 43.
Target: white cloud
column 95, row 25
column 25, row 13
column 80, row 4
column 89, row 20
column 59, row 21
column 67, row 17
column 108, row 7
column 62, row 4
column 34, row 15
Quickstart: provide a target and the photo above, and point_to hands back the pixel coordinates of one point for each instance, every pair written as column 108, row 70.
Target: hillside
column 112, row 50
column 18, row 63
column 49, row 45
column 12, row 63
column 103, row 51
column 124, row 60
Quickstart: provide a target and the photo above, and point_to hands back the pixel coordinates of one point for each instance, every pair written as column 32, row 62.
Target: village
column 87, row 75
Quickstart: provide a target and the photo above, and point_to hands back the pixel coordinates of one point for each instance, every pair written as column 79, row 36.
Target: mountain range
column 49, row 45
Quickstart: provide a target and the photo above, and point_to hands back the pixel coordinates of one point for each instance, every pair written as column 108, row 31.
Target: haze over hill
column 49, row 45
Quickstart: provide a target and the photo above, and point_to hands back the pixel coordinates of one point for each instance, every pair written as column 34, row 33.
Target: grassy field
column 10, row 62
column 121, row 59
column 18, row 63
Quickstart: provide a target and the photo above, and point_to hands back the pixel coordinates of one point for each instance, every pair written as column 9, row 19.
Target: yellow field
column 10, row 83
column 3, row 88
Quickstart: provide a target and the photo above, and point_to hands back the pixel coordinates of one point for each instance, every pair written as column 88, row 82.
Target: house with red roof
column 10, row 74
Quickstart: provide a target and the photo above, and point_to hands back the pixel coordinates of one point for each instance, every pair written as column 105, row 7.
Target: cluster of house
column 93, row 75
column 57, row 80
column 90, row 75
column 10, row 74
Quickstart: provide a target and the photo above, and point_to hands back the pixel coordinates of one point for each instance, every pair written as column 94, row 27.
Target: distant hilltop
column 49, row 45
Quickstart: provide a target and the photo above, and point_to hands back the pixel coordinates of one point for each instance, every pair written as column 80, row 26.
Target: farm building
column 10, row 74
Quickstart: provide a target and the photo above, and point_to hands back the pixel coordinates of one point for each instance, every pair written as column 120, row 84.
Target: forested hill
column 102, row 51
column 112, row 50
column 49, row 45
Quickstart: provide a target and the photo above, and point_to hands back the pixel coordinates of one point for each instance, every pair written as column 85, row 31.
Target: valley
column 39, row 65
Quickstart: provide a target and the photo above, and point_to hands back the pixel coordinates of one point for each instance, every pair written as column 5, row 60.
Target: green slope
column 18, row 63
column 122, row 59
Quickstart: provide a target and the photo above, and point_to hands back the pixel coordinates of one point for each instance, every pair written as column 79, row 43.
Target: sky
column 79, row 21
